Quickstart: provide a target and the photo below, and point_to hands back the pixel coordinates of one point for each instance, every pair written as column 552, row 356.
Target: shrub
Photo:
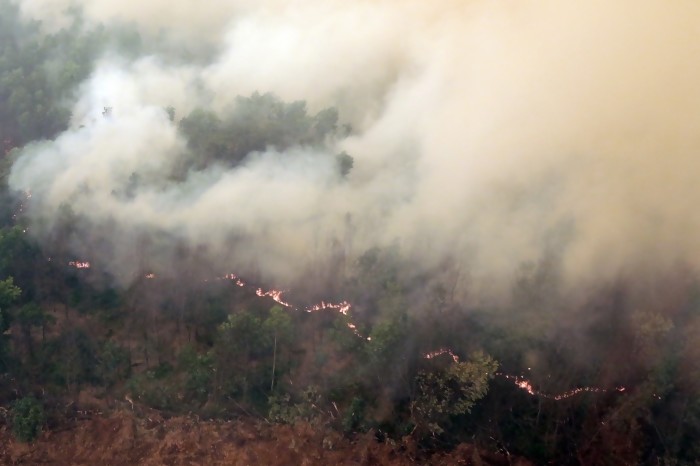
column 27, row 419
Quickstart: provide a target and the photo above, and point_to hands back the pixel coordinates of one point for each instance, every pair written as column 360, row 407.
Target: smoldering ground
column 492, row 134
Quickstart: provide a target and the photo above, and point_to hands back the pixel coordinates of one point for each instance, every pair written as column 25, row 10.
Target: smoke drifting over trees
column 493, row 134
column 498, row 199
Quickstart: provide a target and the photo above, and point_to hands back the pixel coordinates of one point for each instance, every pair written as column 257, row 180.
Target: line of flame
column 440, row 352
column 276, row 295
column 526, row 385
column 80, row 264
column 344, row 308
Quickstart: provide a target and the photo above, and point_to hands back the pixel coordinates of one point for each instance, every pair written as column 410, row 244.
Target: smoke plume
column 492, row 134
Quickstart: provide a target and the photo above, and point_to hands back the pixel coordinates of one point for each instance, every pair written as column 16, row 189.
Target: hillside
column 122, row 438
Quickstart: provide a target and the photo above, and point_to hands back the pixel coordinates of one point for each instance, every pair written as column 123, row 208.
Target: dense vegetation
column 216, row 349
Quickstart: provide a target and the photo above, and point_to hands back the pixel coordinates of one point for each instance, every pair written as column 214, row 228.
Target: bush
column 281, row 409
column 450, row 392
column 199, row 371
column 354, row 417
column 113, row 364
column 27, row 419
column 154, row 389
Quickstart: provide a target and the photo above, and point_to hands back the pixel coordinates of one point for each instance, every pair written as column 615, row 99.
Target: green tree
column 113, row 364
column 198, row 371
column 29, row 316
column 21, row 258
column 9, row 293
column 450, row 392
column 76, row 358
column 256, row 123
column 239, row 351
column 27, row 418
column 279, row 325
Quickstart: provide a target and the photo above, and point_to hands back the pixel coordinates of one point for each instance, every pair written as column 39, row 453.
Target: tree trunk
column 274, row 361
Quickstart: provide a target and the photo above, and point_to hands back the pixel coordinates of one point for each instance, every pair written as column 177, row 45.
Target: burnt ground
column 124, row 438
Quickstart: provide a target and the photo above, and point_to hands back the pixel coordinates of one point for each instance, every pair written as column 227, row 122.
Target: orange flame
column 342, row 307
column 526, row 385
column 440, row 352
column 235, row 278
column 276, row 295
column 79, row 264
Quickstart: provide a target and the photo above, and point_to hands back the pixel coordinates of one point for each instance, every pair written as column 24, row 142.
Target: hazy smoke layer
column 489, row 133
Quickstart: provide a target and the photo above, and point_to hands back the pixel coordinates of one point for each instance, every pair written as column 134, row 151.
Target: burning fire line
column 79, row 264
column 276, row 295
column 527, row 386
column 235, row 278
column 524, row 384
column 344, row 308
column 440, row 352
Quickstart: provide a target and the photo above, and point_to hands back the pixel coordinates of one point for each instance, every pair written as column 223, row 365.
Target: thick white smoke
column 486, row 132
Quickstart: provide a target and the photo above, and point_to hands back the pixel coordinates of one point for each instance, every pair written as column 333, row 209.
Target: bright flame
column 440, row 352
column 357, row 333
column 526, row 385
column 79, row 264
column 276, row 295
column 235, row 278
column 342, row 307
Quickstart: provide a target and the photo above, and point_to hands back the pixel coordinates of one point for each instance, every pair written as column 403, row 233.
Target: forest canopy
column 378, row 221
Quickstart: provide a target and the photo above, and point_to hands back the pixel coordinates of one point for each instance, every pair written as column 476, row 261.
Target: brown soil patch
column 124, row 439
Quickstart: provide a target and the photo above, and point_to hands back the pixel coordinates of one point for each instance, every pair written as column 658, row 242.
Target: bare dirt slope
column 124, row 439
